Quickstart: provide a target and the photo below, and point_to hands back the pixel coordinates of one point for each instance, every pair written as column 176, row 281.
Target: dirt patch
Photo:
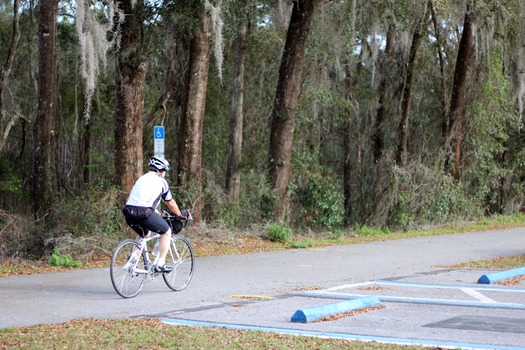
column 375, row 288
column 205, row 242
column 349, row 313
column 512, row 281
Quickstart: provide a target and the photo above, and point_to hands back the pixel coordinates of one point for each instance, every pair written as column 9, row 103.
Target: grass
column 500, row 263
column 153, row 334
column 366, row 234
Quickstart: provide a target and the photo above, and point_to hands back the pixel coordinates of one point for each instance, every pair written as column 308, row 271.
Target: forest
column 314, row 114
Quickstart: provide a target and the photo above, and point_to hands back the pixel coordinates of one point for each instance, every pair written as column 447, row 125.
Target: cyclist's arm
column 172, row 205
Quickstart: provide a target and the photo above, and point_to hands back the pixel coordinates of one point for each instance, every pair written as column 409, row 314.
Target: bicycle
column 129, row 274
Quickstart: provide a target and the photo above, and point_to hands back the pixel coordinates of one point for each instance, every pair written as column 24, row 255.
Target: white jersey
column 148, row 190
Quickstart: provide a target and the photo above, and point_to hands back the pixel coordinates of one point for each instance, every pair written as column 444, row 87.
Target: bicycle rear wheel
column 180, row 256
column 124, row 277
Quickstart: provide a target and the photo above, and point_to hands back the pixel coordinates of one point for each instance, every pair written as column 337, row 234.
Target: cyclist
column 141, row 211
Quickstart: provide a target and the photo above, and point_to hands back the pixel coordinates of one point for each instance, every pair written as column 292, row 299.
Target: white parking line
column 451, row 286
column 477, row 295
column 345, row 286
column 397, row 299
column 481, row 300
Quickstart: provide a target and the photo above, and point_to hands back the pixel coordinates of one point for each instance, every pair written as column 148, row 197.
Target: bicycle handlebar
column 186, row 219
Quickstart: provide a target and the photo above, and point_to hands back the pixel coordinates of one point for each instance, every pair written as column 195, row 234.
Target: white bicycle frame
column 144, row 248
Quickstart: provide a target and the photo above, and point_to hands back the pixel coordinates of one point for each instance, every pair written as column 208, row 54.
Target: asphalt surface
column 423, row 301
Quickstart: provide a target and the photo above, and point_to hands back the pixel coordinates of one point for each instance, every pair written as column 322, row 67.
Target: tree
column 378, row 138
column 4, row 76
column 190, row 140
column 130, row 80
column 442, row 70
column 96, row 36
column 342, row 135
column 457, row 102
column 403, row 128
column 286, row 100
column 350, row 135
column 233, row 170
column 43, row 176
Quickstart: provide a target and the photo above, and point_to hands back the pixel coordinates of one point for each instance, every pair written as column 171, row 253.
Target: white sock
column 160, row 262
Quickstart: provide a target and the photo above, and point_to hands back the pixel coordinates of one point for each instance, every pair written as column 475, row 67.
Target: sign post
column 158, row 141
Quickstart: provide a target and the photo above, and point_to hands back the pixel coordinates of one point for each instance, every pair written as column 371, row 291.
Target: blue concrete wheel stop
column 497, row 276
column 314, row 313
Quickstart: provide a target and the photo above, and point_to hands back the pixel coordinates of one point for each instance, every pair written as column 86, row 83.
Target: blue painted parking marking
column 436, row 285
column 317, row 312
column 498, row 276
column 391, row 299
column 355, row 337
column 476, row 291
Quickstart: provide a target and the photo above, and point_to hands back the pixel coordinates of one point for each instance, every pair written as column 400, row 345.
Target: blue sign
column 158, row 141
column 158, row 132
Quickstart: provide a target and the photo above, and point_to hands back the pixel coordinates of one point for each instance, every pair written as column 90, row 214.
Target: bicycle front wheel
column 123, row 271
column 180, row 256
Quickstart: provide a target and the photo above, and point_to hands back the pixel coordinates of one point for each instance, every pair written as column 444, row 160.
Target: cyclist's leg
column 139, row 227
column 164, row 246
column 157, row 224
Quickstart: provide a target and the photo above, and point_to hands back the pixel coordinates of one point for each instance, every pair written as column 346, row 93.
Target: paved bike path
column 265, row 289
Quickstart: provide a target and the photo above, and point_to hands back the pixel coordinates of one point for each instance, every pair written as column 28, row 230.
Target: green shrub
column 320, row 201
column 452, row 202
column 422, row 196
column 279, row 232
column 66, row 260
column 302, row 244
column 96, row 213
column 255, row 204
column 336, row 234
column 369, row 231
column 401, row 216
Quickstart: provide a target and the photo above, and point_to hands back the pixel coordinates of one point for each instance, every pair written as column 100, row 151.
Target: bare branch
column 8, row 127
column 4, row 74
column 6, row 69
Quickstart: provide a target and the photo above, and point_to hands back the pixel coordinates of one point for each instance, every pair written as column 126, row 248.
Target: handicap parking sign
column 158, row 132
column 158, row 138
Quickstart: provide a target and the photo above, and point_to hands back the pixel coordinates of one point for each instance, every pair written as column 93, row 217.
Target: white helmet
column 159, row 164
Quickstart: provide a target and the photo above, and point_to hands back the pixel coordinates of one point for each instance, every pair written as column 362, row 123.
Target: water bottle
column 156, row 248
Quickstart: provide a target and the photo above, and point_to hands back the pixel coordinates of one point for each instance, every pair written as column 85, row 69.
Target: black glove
column 185, row 214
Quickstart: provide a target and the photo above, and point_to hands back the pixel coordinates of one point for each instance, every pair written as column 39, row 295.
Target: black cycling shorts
column 154, row 223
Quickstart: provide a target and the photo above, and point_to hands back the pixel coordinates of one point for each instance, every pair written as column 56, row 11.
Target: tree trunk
column 233, row 170
column 443, row 86
column 43, row 130
column 349, row 145
column 286, row 100
column 130, row 78
column 457, row 102
column 190, row 144
column 4, row 76
column 86, row 154
column 403, row 129
column 378, row 138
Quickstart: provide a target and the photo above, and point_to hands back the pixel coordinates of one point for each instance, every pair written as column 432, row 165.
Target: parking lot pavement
column 422, row 304
column 445, row 308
